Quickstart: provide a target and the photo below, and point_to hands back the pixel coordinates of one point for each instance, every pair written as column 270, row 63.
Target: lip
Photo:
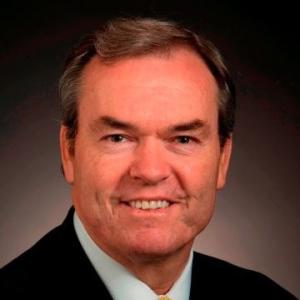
column 141, row 198
column 144, row 214
column 173, row 207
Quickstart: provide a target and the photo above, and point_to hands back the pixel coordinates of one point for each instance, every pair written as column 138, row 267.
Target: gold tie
column 164, row 297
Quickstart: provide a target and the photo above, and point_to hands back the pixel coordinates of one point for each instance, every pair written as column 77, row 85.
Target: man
column 146, row 137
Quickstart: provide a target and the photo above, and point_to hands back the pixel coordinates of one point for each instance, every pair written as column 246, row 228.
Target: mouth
column 145, row 204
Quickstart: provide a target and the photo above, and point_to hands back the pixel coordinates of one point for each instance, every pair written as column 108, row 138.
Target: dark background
column 256, row 223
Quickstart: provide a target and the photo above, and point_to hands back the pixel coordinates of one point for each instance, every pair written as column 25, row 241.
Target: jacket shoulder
column 220, row 278
column 55, row 263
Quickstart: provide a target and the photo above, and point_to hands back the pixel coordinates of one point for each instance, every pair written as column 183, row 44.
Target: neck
column 159, row 273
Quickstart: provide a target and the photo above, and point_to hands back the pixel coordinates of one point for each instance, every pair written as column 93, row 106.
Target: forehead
column 174, row 85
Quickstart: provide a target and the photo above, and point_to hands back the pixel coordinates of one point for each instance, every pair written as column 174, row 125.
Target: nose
column 150, row 165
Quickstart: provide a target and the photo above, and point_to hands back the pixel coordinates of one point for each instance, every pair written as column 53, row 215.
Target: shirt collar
column 119, row 281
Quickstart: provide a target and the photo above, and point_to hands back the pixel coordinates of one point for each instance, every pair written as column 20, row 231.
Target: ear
column 66, row 157
column 224, row 163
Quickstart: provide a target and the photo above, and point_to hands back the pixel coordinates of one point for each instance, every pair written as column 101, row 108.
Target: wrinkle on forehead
column 161, row 71
column 178, row 88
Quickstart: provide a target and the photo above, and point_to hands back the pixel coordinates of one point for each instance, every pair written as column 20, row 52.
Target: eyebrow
column 112, row 122
column 187, row 126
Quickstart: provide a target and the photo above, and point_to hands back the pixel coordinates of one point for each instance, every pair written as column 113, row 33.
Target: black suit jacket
column 56, row 266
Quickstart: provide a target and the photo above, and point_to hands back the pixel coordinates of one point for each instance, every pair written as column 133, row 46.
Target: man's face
column 147, row 159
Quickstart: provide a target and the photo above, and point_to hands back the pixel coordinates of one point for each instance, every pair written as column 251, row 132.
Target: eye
column 184, row 139
column 115, row 138
column 116, row 143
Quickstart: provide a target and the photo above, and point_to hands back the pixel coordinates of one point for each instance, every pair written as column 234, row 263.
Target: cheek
column 99, row 187
column 199, row 182
column 199, row 177
column 201, row 206
column 109, row 174
column 93, row 182
column 99, row 172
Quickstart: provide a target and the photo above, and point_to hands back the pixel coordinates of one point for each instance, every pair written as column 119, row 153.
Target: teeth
column 145, row 205
column 165, row 204
column 153, row 204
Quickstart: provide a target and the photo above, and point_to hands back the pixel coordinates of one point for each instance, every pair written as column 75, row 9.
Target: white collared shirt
column 121, row 284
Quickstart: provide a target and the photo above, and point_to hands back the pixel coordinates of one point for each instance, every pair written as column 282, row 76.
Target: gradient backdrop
column 256, row 223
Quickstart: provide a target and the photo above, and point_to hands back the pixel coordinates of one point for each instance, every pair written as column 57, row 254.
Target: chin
column 157, row 247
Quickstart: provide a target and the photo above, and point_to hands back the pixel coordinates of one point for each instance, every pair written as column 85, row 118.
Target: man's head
column 148, row 112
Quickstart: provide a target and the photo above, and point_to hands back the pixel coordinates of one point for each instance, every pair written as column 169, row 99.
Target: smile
column 146, row 204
